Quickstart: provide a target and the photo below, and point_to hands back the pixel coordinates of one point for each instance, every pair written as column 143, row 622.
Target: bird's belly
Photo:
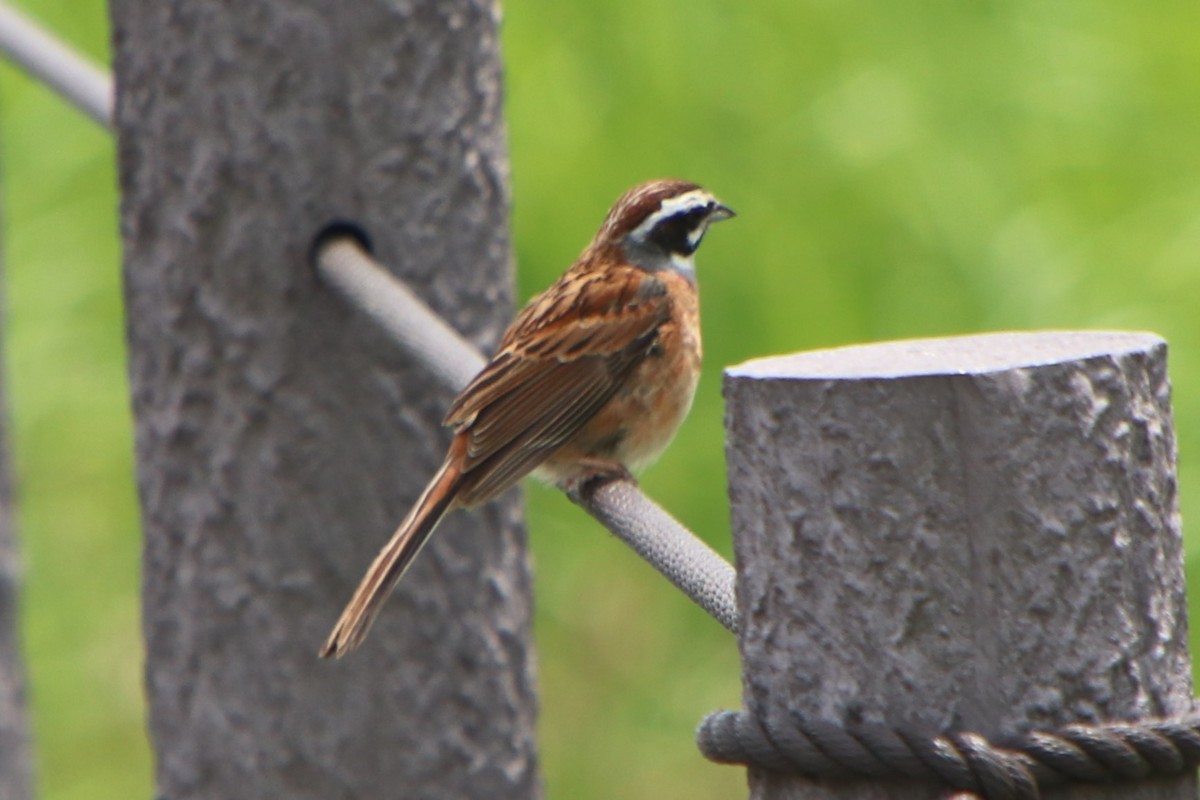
column 653, row 409
column 636, row 425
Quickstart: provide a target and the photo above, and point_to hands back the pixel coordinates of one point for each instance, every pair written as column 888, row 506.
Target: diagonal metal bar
column 677, row 553
column 366, row 285
column 664, row 543
column 31, row 47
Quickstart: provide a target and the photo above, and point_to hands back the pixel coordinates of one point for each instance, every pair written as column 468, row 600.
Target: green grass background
column 899, row 170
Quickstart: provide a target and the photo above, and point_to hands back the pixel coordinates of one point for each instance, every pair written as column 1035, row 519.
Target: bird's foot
column 593, row 474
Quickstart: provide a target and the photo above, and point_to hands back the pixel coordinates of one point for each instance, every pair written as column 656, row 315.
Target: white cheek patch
column 684, row 265
column 697, row 198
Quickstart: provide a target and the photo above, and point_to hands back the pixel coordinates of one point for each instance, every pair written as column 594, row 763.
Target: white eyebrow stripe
column 697, row 198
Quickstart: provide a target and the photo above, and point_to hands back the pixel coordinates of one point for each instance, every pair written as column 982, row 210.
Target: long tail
column 392, row 561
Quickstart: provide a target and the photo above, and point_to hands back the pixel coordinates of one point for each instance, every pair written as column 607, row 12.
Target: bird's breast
column 638, row 423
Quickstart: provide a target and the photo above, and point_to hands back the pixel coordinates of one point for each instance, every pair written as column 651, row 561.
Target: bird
column 589, row 382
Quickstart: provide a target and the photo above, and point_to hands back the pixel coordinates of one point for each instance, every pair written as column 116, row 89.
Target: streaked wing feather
column 503, row 475
column 573, row 415
column 551, row 376
column 536, row 405
column 524, row 452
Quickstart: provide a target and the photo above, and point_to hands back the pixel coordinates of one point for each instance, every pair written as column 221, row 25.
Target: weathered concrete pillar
column 976, row 533
column 280, row 438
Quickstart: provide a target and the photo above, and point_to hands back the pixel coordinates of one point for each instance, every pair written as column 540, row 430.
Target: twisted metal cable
column 1015, row 769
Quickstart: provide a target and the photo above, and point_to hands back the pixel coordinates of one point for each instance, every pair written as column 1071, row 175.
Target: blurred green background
column 899, row 170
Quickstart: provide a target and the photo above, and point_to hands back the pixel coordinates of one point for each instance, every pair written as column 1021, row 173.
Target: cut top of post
column 959, row 355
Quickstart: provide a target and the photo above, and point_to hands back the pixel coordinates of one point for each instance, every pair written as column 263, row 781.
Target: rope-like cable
column 1016, row 769
column 677, row 553
column 46, row 58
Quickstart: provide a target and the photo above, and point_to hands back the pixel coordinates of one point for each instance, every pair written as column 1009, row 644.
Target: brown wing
column 563, row 358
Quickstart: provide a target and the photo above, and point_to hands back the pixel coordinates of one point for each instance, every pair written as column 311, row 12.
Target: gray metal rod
column 679, row 555
column 83, row 84
column 383, row 297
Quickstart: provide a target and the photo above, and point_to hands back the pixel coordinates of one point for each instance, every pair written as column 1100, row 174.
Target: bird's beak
column 720, row 212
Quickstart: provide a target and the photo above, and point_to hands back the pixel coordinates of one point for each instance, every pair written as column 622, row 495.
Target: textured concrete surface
column 16, row 767
column 977, row 533
column 280, row 438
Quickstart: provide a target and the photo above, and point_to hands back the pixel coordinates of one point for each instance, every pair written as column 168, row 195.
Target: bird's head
column 659, row 224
